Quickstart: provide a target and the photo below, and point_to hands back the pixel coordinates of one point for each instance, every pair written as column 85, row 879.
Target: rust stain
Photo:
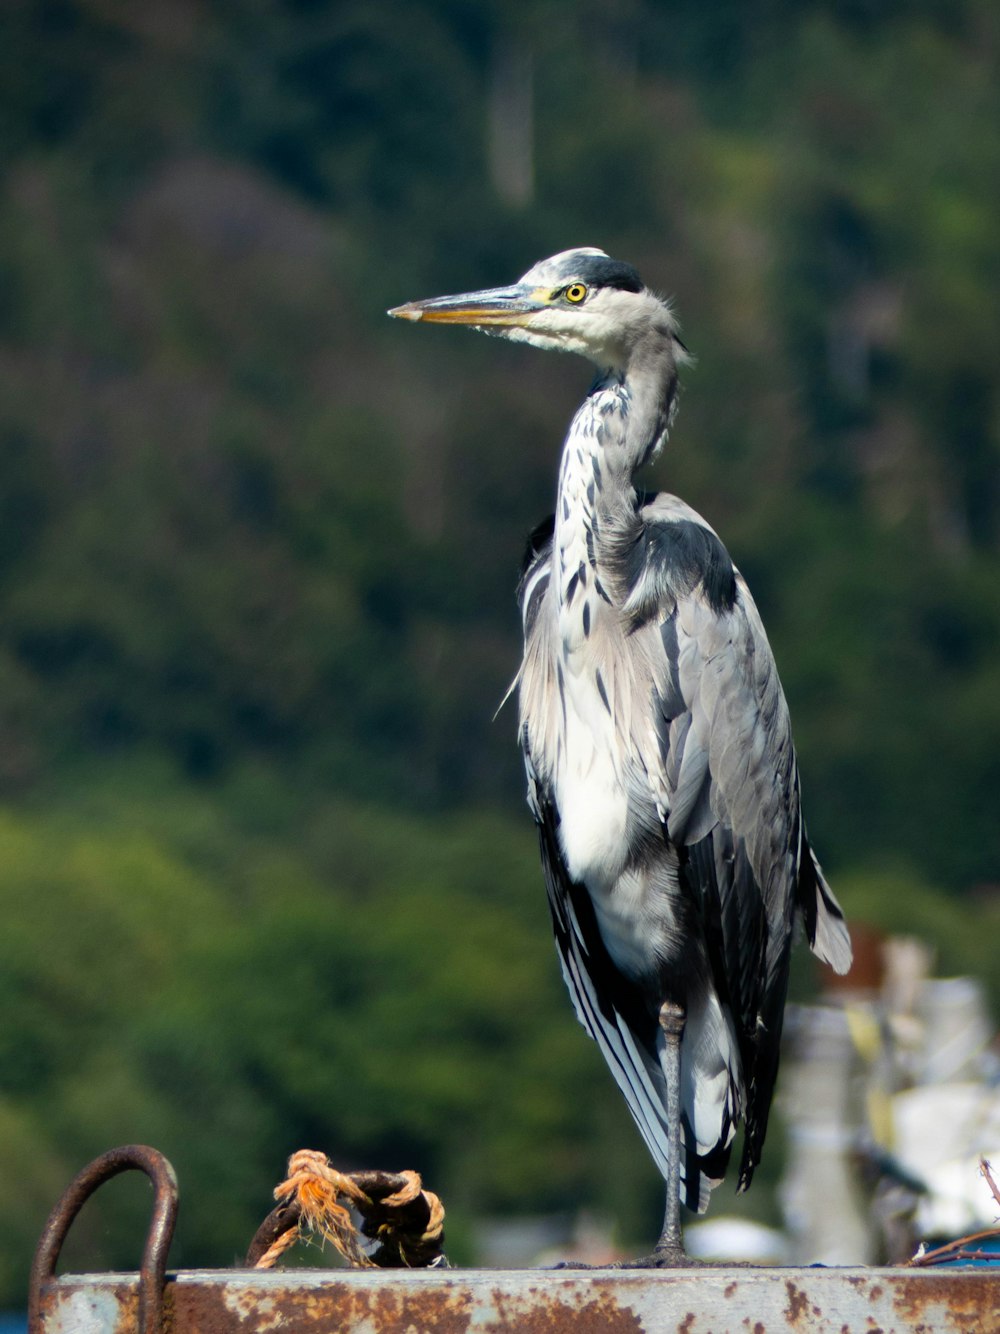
column 434, row 1312
column 687, row 1324
column 546, row 1314
column 730, row 1289
column 51, row 1308
column 128, row 1311
column 306, row 1311
column 382, row 1310
column 798, row 1303
column 970, row 1301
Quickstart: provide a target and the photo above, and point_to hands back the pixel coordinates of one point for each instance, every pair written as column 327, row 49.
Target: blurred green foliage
column 266, row 879
column 188, row 977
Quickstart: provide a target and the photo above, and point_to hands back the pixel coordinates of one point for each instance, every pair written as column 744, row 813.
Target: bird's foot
column 660, row 1259
column 663, row 1257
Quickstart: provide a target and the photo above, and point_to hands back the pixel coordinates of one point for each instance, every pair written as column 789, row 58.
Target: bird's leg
column 669, row 1252
column 671, row 1245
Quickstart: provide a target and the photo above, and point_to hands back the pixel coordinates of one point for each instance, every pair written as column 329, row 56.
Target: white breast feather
column 590, row 794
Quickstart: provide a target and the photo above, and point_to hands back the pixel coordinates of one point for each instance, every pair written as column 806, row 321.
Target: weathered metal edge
column 716, row 1301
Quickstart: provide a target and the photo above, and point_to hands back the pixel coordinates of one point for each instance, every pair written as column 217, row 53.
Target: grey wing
column 726, row 783
column 731, row 810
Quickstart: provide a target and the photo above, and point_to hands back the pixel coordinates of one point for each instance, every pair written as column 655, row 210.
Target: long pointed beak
column 503, row 306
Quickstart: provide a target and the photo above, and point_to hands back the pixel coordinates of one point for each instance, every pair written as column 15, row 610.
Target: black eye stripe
column 595, row 272
column 600, row 271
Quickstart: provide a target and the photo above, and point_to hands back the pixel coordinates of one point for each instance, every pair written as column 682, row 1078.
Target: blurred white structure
column 827, row 1214
column 891, row 1097
column 736, row 1239
column 941, row 1135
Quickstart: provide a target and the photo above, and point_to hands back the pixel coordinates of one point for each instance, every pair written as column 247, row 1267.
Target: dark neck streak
column 619, row 427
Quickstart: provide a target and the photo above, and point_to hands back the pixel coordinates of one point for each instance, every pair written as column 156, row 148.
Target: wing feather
column 729, row 782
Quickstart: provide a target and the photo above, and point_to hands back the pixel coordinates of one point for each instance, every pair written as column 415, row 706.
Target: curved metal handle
column 152, row 1275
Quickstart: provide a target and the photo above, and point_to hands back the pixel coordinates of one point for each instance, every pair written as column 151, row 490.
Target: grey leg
column 671, row 1244
column 669, row 1252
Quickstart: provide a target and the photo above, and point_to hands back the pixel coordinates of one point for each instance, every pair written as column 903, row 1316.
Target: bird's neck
column 619, row 427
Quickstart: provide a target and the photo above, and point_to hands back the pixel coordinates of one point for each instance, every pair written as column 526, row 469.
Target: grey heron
column 657, row 747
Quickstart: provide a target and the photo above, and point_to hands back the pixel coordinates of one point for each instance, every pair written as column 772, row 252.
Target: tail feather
column 822, row 916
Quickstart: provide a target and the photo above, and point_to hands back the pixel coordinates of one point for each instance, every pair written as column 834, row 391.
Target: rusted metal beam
column 696, row 1301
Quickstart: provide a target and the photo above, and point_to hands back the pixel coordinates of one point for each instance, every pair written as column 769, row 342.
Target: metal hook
column 152, row 1275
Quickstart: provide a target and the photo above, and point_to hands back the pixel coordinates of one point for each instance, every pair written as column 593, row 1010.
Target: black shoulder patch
column 703, row 556
column 600, row 271
column 688, row 554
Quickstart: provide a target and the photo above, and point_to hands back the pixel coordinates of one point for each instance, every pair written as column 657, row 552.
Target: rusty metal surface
column 147, row 1298
column 697, row 1301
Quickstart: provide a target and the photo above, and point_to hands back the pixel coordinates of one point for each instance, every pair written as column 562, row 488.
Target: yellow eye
column 575, row 292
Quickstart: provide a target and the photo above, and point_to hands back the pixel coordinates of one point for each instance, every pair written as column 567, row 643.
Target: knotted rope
column 316, row 1200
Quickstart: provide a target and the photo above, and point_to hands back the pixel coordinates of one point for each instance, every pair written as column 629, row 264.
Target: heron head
column 577, row 301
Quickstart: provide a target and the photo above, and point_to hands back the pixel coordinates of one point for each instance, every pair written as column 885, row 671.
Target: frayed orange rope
column 316, row 1200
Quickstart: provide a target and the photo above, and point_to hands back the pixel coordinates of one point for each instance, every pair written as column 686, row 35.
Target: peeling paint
column 702, row 1301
